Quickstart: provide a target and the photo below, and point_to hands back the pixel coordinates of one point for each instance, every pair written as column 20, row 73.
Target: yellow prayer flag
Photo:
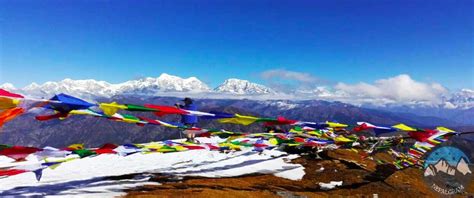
column 59, row 162
column 180, row 148
column 342, row 139
column 295, row 131
column 273, row 141
column 153, row 146
column 403, row 127
column 84, row 112
column 8, row 103
column 76, row 146
column 336, row 125
column 110, row 109
column 131, row 121
column 434, row 141
column 440, row 128
column 239, row 119
column 166, row 124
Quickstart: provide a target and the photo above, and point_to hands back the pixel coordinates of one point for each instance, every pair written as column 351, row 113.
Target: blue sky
column 335, row 40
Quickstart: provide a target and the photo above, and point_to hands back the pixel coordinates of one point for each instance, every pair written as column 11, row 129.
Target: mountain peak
column 7, row 86
column 463, row 99
column 165, row 76
column 239, row 86
column 236, row 80
column 90, row 88
column 166, row 83
column 163, row 83
column 31, row 86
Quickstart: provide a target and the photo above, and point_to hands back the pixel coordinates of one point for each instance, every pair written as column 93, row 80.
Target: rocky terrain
column 360, row 178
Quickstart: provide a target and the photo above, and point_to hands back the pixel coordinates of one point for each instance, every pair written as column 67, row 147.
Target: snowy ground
column 97, row 176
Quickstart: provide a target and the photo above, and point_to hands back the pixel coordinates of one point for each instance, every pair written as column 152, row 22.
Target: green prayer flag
column 84, row 152
column 4, row 146
column 138, row 108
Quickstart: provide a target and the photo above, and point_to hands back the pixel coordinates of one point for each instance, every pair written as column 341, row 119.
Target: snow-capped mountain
column 92, row 88
column 463, row 99
column 237, row 86
column 7, row 86
column 169, row 85
column 319, row 92
column 85, row 88
column 164, row 83
column 282, row 105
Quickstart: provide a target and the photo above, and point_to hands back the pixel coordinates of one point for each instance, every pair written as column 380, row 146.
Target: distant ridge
column 230, row 88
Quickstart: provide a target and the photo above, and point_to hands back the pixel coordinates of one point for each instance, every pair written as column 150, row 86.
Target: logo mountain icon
column 463, row 167
column 443, row 166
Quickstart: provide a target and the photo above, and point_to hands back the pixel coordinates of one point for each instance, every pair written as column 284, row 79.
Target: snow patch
column 91, row 175
column 330, row 185
column 237, row 86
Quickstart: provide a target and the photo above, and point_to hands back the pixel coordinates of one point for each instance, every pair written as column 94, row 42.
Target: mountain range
column 169, row 85
column 165, row 83
column 233, row 96
column 457, row 106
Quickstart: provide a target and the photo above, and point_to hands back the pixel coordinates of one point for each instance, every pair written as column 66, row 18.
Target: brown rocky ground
column 361, row 178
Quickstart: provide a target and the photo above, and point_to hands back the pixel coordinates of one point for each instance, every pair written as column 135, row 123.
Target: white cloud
column 287, row 81
column 289, row 75
column 400, row 89
column 397, row 89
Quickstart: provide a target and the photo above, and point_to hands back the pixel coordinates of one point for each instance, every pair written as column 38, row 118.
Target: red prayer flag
column 191, row 147
column 280, row 121
column 362, row 127
column 281, row 136
column 259, row 145
column 11, row 172
column 108, row 146
column 18, row 153
column 207, row 134
column 151, row 121
column 311, row 144
column 421, row 136
column 212, row 147
column 53, row 116
column 165, row 110
column 106, row 149
column 9, row 94
column 300, row 140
